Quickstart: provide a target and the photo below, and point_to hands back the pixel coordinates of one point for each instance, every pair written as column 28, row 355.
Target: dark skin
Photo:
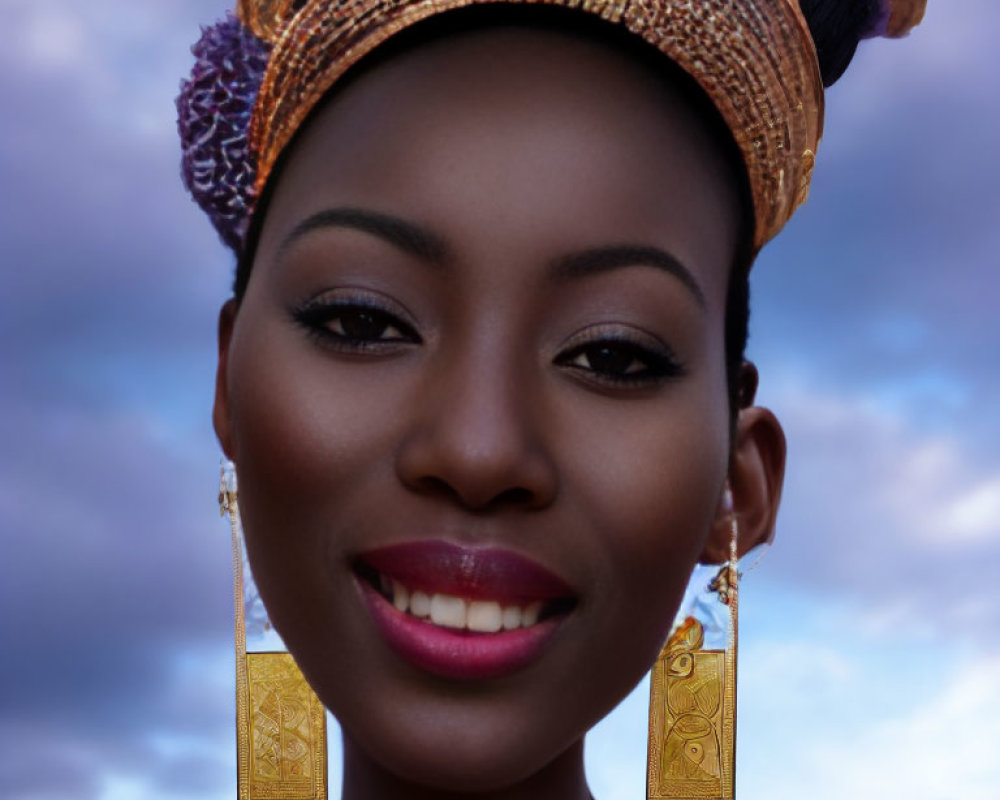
column 539, row 237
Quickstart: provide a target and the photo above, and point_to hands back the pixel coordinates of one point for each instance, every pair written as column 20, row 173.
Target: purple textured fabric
column 213, row 119
column 881, row 22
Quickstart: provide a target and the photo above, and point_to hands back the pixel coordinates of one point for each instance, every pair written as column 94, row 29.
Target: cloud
column 886, row 278
column 111, row 277
column 880, row 512
column 826, row 712
column 115, row 574
column 943, row 747
column 974, row 513
column 115, row 587
column 108, row 532
column 875, row 330
column 949, row 51
column 174, row 740
column 144, row 50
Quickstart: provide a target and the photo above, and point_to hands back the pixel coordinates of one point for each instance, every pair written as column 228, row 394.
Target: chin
column 451, row 756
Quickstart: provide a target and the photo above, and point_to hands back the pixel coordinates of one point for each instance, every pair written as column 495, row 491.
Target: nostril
column 438, row 486
column 514, row 496
column 475, row 467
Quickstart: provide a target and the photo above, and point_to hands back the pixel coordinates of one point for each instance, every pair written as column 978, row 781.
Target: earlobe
column 220, row 407
column 756, row 476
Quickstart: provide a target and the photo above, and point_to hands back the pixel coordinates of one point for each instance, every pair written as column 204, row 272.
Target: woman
column 482, row 376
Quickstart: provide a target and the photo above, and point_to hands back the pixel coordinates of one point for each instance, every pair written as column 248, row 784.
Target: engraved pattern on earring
column 692, row 708
column 281, row 748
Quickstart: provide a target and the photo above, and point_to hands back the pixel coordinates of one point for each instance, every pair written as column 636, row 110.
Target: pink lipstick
column 461, row 612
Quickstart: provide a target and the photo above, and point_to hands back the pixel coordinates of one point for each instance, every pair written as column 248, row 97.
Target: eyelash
column 319, row 316
column 656, row 366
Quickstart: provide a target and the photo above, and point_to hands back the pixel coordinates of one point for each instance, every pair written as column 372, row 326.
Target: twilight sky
column 870, row 659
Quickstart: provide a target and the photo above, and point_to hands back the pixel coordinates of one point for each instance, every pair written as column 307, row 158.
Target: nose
column 478, row 438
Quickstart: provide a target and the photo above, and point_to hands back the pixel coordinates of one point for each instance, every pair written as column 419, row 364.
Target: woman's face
column 480, row 363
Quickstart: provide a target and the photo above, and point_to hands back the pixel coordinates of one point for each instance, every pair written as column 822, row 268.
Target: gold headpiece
column 266, row 18
column 754, row 58
column 904, row 16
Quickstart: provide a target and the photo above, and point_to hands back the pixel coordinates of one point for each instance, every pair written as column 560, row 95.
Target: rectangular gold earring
column 692, row 706
column 280, row 722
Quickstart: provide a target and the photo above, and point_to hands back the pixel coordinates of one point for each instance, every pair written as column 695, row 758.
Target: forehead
column 525, row 139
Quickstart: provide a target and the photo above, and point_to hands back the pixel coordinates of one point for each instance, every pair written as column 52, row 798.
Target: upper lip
column 474, row 573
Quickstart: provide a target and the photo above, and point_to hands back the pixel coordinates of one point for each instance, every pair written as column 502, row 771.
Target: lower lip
column 459, row 655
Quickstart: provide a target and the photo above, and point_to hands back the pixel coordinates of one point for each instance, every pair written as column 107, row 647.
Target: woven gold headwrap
column 904, row 16
column 754, row 58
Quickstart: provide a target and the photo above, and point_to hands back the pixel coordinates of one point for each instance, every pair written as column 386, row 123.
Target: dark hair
column 837, row 27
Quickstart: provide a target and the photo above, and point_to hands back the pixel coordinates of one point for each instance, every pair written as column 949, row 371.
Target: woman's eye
column 612, row 359
column 621, row 362
column 364, row 324
column 354, row 326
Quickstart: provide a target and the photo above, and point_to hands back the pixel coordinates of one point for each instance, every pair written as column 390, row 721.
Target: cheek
column 305, row 441
column 648, row 486
column 305, row 423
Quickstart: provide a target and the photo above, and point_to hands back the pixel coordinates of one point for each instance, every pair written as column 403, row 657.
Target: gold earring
column 691, row 751
column 280, row 722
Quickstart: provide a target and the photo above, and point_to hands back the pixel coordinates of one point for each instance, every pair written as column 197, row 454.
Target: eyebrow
column 407, row 236
column 605, row 259
column 428, row 246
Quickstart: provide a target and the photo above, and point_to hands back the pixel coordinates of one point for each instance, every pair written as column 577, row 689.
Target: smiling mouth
column 472, row 614
column 462, row 612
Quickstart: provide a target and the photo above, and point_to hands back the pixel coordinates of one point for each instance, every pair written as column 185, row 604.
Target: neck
column 561, row 779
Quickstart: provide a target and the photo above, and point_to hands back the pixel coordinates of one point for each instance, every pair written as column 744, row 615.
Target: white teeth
column 484, row 616
column 448, row 611
column 511, row 618
column 400, row 596
column 530, row 614
column 420, row 604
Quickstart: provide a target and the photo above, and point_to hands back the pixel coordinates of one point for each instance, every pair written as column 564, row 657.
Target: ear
column 756, row 475
column 220, row 408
